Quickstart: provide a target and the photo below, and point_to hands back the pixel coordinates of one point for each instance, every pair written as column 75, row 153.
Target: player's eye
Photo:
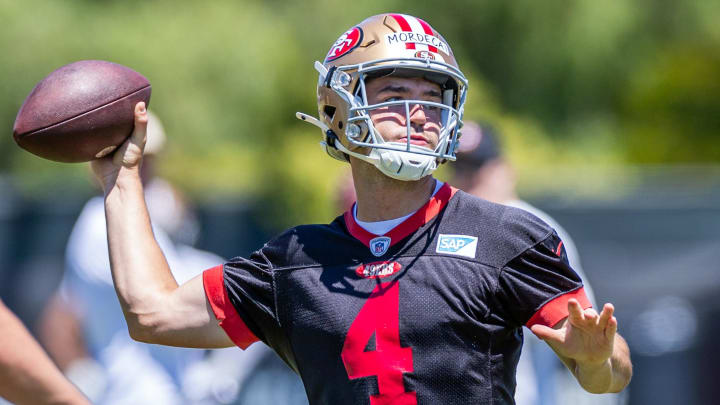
column 393, row 98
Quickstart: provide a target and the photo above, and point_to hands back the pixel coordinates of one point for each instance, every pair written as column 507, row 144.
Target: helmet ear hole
column 340, row 125
column 329, row 112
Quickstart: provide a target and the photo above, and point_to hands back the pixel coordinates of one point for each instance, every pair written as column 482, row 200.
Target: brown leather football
column 81, row 111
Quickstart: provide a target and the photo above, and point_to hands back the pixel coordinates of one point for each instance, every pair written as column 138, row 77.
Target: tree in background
column 569, row 83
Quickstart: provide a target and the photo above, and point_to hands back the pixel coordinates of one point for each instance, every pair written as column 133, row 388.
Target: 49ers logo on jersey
column 345, row 44
column 378, row 269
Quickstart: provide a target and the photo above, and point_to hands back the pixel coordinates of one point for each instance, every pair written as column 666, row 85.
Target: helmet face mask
column 387, row 45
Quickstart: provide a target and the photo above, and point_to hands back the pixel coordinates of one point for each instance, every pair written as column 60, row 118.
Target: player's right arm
column 156, row 309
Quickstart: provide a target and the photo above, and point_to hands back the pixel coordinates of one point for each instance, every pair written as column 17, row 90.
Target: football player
column 417, row 294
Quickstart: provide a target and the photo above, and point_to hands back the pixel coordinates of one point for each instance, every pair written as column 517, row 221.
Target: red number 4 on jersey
column 380, row 316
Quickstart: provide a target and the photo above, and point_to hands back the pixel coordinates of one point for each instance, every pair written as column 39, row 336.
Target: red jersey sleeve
column 556, row 309
column 224, row 311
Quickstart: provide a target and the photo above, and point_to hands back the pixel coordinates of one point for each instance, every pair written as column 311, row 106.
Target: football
column 81, row 111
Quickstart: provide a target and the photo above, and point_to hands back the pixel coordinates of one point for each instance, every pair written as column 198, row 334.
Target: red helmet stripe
column 405, row 26
column 428, row 30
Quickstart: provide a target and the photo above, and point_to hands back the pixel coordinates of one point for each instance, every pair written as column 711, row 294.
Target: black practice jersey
column 429, row 313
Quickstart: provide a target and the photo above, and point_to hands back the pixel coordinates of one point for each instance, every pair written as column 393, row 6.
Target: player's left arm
column 589, row 345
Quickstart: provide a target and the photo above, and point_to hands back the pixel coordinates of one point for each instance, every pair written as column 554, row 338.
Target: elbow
column 147, row 318
column 142, row 328
column 140, row 335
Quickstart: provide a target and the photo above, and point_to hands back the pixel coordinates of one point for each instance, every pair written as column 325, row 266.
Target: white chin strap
column 405, row 166
column 400, row 165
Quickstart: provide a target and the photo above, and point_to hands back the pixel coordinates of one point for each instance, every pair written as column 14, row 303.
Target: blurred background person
column 481, row 169
column 83, row 327
column 27, row 376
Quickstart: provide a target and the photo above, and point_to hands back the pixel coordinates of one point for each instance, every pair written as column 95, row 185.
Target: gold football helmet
column 383, row 45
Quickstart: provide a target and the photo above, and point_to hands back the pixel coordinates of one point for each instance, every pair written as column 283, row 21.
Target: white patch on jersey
column 460, row 245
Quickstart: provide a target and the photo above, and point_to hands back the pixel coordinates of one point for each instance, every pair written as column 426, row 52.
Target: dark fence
column 656, row 256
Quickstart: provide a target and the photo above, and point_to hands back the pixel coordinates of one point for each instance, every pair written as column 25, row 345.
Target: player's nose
column 417, row 114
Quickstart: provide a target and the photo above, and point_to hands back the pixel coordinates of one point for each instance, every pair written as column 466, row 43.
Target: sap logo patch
column 379, row 245
column 461, row 245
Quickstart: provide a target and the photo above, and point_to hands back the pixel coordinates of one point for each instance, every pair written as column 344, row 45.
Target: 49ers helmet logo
column 424, row 55
column 345, row 44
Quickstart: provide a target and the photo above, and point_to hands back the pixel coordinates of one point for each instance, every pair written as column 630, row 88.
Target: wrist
column 595, row 377
column 124, row 178
column 593, row 367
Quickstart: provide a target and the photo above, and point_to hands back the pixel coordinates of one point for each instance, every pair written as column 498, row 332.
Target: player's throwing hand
column 128, row 155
